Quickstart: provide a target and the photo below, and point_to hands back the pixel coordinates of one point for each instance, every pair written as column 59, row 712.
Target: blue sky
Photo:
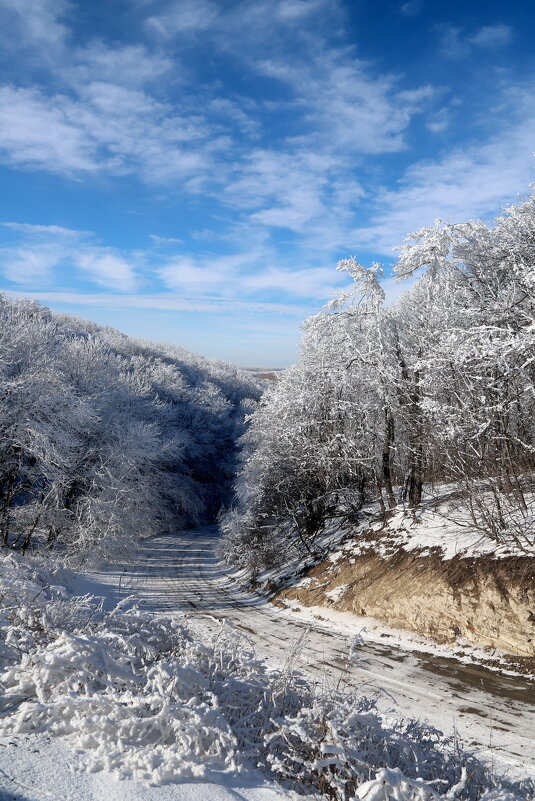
column 192, row 170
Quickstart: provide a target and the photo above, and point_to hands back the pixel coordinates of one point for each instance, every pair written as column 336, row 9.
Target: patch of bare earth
column 487, row 601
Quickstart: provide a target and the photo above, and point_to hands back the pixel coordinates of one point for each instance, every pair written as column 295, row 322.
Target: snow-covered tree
column 105, row 439
column 438, row 387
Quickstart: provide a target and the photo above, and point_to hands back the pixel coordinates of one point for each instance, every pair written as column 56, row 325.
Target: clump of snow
column 337, row 592
column 305, row 582
column 143, row 697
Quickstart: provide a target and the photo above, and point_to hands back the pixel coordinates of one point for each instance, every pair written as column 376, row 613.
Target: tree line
column 386, row 400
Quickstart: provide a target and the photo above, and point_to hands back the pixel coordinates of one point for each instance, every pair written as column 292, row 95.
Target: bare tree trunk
column 388, row 444
column 415, row 477
column 8, row 499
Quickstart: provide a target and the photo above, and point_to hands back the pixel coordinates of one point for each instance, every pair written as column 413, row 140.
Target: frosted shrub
column 340, row 741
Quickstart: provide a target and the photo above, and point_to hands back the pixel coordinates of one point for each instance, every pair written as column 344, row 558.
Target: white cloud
column 456, row 43
column 107, row 269
column 43, row 249
column 184, row 273
column 491, row 36
column 319, row 283
column 184, row 17
column 474, row 182
column 40, row 132
column 129, row 65
column 337, row 107
column 411, row 8
column 38, row 251
column 33, row 25
column 28, row 266
column 244, row 275
column 238, row 112
column 347, row 107
column 115, row 117
column 302, row 190
column 238, row 276
column 164, row 302
column 118, row 110
column 107, row 128
column 281, row 189
column 440, row 121
column 258, row 22
column 451, row 42
column 44, row 230
column 165, row 240
column 209, row 274
column 295, row 10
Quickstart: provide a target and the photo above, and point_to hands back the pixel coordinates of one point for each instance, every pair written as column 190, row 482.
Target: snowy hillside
column 105, row 439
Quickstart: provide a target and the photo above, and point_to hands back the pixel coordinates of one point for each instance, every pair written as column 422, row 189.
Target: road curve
column 180, row 574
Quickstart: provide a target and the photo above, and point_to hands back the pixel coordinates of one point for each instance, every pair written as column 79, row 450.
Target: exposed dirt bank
column 489, row 602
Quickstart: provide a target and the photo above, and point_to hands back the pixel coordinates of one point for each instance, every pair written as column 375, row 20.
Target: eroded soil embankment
column 490, row 602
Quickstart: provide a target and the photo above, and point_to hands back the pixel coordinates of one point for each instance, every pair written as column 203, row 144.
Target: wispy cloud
column 37, row 231
column 30, row 266
column 34, row 26
column 247, row 275
column 42, row 253
column 411, row 8
column 107, row 269
column 129, row 109
column 491, row 36
column 163, row 302
column 128, row 65
column 347, row 107
column 164, row 241
column 440, row 120
column 107, row 128
column 318, row 283
column 281, row 189
column 254, row 138
column 41, row 250
column 37, row 133
column 466, row 183
column 184, row 17
column 457, row 43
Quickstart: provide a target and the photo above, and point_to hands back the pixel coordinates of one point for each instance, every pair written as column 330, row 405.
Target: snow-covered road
column 180, row 574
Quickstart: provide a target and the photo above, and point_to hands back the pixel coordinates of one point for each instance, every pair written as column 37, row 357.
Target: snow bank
column 143, row 698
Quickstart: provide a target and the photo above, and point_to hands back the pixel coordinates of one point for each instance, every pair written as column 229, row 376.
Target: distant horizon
column 247, row 367
column 193, row 171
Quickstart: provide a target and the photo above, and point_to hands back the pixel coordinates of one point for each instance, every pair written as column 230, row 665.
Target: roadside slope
column 488, row 602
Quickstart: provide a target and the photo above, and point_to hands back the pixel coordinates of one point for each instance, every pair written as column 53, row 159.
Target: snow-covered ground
column 37, row 768
column 410, row 675
column 180, row 575
column 443, row 524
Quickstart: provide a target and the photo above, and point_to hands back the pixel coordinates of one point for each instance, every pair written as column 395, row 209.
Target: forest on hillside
column 385, row 400
column 104, row 439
